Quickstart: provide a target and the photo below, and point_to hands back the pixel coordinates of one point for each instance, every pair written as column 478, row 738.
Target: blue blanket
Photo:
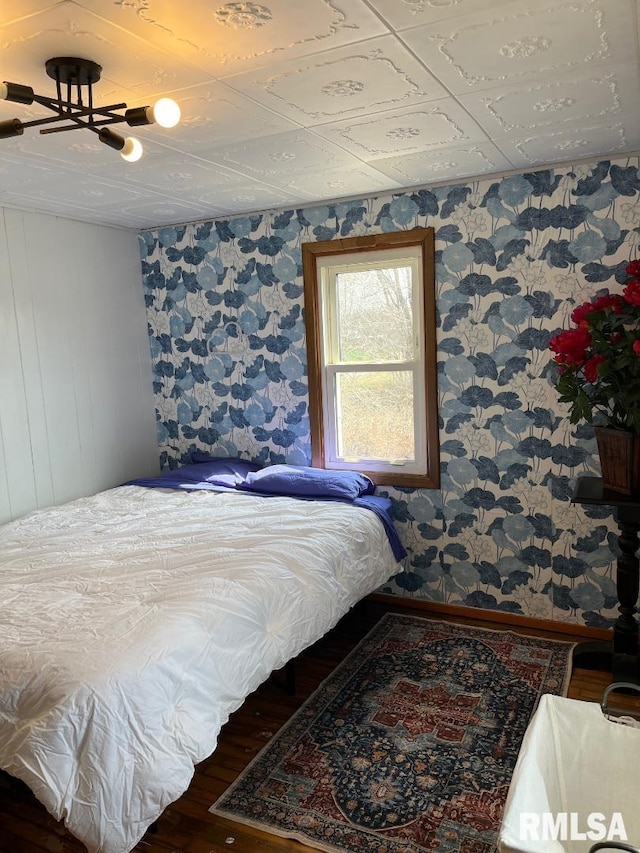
column 219, row 474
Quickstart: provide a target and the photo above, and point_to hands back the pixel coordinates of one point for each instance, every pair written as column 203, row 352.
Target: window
column 370, row 319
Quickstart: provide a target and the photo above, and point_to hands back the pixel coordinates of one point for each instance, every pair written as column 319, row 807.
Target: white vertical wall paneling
column 7, row 319
column 14, row 419
column 76, row 400
column 104, row 341
column 106, row 349
column 81, row 333
column 131, row 357
column 55, row 319
column 26, row 305
column 118, row 406
column 5, row 506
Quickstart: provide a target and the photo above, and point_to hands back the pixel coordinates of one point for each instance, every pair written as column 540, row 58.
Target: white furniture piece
column 576, row 783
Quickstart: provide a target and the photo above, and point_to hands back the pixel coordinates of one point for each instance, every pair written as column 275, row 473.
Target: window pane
column 375, row 315
column 374, row 413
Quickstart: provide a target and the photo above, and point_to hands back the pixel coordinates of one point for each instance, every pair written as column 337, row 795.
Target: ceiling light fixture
column 78, row 110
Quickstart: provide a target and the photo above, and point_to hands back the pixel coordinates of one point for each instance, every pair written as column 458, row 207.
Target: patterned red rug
column 408, row 746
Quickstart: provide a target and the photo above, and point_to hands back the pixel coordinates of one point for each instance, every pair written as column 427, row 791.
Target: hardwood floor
column 187, row 826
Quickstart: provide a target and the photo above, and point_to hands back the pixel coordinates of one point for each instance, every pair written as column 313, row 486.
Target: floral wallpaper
column 514, row 256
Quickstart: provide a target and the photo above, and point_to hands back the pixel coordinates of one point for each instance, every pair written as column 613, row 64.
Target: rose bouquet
column 599, row 359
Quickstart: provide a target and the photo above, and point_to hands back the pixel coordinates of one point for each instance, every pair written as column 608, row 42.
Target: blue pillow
column 224, row 464
column 308, row 482
column 217, row 470
column 204, row 472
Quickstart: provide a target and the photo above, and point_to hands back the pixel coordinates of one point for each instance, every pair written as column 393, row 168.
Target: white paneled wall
column 76, row 402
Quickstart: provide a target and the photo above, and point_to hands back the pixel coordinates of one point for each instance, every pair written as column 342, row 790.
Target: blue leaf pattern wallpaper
column 514, row 255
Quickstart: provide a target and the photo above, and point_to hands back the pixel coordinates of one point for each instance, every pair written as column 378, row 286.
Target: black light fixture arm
column 77, row 73
column 69, row 111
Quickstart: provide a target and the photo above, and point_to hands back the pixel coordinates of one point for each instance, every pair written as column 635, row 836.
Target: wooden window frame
column 424, row 239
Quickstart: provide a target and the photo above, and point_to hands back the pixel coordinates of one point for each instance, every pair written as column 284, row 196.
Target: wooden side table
column 624, row 657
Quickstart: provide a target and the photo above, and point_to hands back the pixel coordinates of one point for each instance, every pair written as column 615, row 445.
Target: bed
column 135, row 621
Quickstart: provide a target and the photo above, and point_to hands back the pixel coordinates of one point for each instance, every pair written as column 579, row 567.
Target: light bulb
column 131, row 150
column 166, row 112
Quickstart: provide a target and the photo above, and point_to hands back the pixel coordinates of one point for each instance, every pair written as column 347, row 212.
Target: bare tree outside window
column 370, row 318
column 375, row 316
column 375, row 324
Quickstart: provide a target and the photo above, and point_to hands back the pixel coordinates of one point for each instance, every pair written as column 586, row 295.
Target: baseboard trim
column 496, row 616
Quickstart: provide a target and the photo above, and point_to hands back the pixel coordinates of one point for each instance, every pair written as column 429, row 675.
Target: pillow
column 298, row 481
column 223, row 464
column 204, row 472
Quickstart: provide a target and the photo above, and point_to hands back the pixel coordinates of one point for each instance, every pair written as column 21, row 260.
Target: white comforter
column 132, row 623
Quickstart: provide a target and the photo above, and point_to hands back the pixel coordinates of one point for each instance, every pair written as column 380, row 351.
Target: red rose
column 593, row 360
column 572, row 345
column 609, row 301
column 582, row 312
column 632, row 292
column 591, row 367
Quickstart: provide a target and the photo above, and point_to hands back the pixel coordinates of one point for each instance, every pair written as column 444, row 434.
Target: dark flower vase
column 619, row 460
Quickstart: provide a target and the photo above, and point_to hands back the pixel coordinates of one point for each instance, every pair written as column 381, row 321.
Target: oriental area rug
column 408, row 746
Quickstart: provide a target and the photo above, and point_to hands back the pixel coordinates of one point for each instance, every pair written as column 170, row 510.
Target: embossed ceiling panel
column 277, row 157
column 67, row 150
column 20, row 173
column 179, row 175
column 532, row 150
column 402, row 14
column 426, row 168
column 533, row 39
column 377, row 75
column 397, row 132
column 600, row 96
column 67, row 29
column 343, row 182
column 159, row 210
column 230, row 37
column 214, row 114
column 92, row 193
column 291, row 102
column 12, row 10
column 250, row 196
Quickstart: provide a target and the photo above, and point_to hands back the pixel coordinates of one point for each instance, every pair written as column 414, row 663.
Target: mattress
column 135, row 621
